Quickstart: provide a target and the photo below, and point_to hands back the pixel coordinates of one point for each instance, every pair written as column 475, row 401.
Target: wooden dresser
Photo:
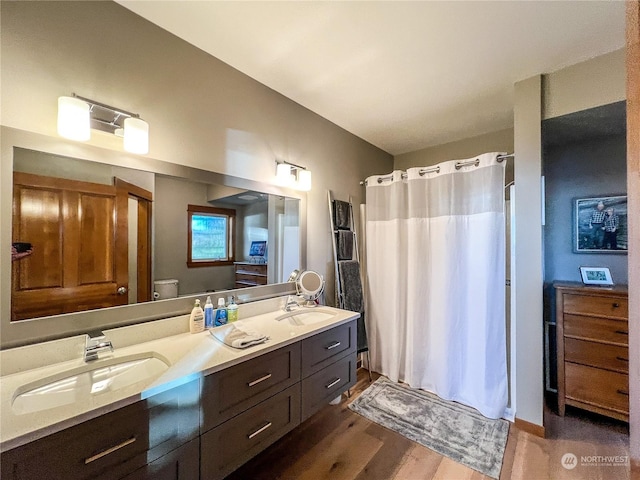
column 250, row 274
column 593, row 355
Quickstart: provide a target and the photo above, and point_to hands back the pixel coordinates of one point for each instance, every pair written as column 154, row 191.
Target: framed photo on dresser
column 600, row 224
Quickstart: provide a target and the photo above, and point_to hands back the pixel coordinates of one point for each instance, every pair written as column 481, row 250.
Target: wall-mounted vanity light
column 78, row 115
column 293, row 176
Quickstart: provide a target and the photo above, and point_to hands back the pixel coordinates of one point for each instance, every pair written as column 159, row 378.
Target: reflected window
column 211, row 236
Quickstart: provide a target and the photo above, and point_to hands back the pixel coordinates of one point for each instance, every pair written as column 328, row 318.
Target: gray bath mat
column 448, row 428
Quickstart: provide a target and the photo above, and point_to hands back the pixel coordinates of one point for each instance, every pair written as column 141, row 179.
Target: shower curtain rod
column 459, row 165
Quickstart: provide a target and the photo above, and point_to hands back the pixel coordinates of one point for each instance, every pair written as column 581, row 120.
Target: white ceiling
column 401, row 75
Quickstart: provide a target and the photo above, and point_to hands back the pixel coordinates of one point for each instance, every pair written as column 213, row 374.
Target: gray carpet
column 448, row 428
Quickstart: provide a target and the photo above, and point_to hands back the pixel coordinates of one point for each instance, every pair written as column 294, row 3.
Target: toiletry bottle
column 232, row 310
column 196, row 320
column 221, row 313
column 208, row 313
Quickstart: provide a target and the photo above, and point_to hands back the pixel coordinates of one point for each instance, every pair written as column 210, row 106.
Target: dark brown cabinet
column 231, row 444
column 112, row 445
column 593, row 354
column 250, row 274
column 204, row 429
column 180, row 464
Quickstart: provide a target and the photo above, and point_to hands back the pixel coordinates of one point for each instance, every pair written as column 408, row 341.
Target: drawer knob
column 261, row 379
column 108, row 451
column 335, row 382
column 260, row 430
column 616, row 305
column 333, row 345
column 622, row 359
column 623, row 392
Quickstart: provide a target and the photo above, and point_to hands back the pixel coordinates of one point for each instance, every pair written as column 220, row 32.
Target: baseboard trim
column 532, row 428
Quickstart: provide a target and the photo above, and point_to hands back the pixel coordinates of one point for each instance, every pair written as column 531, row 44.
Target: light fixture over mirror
column 78, row 115
column 292, row 176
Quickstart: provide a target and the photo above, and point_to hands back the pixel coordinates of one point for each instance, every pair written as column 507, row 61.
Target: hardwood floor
column 338, row 444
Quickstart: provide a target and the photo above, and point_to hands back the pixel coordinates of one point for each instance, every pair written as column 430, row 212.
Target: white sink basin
column 306, row 316
column 83, row 383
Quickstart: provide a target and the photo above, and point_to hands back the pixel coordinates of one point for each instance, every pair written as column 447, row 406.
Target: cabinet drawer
column 325, row 348
column 610, row 357
column 112, row 445
column 231, row 444
column 251, row 279
column 600, row 388
column 257, row 268
column 597, row 329
column 610, row 307
column 325, row 385
column 234, row 390
column 180, row 464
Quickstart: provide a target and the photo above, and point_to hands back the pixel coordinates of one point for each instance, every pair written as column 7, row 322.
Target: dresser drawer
column 600, row 388
column 112, row 445
column 325, row 385
column 325, row 348
column 610, row 307
column 235, row 389
column 252, row 269
column 597, row 329
column 601, row 355
column 229, row 445
column 251, row 279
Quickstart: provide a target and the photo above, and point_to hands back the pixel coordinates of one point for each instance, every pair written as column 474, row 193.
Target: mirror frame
column 24, row 332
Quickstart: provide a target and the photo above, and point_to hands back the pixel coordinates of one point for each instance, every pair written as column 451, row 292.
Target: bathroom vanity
column 209, row 412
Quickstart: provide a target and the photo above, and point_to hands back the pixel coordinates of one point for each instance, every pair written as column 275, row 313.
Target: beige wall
column 598, row 81
column 202, row 113
column 500, row 141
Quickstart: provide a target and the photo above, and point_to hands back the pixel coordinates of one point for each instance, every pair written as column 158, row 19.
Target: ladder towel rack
column 349, row 292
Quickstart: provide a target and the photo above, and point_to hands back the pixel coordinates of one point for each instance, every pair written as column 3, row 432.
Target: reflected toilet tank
column 164, row 289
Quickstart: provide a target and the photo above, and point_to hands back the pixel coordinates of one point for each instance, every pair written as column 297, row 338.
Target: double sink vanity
column 167, row 404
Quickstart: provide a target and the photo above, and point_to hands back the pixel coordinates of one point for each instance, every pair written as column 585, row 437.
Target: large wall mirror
column 108, row 234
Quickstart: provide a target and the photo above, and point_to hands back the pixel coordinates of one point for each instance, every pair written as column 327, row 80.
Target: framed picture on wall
column 600, row 224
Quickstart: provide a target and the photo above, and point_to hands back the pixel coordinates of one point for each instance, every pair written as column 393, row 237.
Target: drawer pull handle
column 622, row 359
column 259, row 431
column 333, row 345
column 622, row 332
column 261, row 379
column 623, row 392
column 616, row 305
column 108, row 451
column 335, row 382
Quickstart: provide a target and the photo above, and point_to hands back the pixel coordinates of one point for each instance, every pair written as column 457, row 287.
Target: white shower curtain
column 436, row 281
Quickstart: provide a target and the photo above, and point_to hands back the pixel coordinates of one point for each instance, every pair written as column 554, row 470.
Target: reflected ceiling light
column 77, row 115
column 292, row 175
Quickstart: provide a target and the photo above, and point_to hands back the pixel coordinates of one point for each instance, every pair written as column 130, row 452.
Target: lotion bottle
column 196, row 320
column 208, row 313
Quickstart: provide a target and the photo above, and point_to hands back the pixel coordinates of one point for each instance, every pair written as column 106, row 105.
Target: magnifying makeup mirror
column 309, row 286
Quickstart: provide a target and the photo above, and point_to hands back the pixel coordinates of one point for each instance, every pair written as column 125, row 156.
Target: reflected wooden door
column 79, row 235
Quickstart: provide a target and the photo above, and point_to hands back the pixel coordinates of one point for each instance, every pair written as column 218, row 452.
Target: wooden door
column 79, row 238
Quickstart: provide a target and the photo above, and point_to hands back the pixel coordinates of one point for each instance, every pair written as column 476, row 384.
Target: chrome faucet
column 290, row 304
column 96, row 342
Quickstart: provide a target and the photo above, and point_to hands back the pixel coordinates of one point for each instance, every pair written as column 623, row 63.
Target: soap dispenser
column 221, row 313
column 196, row 320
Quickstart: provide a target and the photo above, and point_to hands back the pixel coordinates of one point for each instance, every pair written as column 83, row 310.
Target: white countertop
column 190, row 356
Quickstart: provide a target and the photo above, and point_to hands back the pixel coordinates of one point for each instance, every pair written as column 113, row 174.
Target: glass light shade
column 304, row 180
column 283, row 174
column 74, row 120
column 136, row 135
